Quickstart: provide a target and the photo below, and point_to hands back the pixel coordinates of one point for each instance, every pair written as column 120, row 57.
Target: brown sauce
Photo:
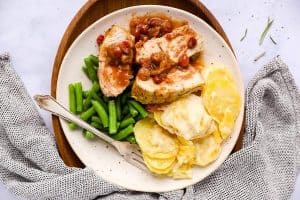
column 152, row 25
column 141, row 27
column 118, row 76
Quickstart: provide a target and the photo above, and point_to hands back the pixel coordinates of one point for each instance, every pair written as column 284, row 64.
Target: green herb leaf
column 264, row 33
column 245, row 34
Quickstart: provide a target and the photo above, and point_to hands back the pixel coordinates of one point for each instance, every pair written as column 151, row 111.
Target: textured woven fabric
column 265, row 168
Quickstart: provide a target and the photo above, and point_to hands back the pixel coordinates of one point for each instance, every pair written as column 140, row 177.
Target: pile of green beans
column 114, row 116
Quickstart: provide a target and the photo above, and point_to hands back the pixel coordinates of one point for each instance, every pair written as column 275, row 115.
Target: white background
column 31, row 31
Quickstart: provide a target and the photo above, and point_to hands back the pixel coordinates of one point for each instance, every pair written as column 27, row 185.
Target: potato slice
column 221, row 99
column 185, row 160
column 207, row 150
column 154, row 141
column 153, row 163
column 161, row 165
column 185, row 117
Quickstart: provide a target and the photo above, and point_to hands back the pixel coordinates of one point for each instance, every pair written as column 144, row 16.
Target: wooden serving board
column 89, row 13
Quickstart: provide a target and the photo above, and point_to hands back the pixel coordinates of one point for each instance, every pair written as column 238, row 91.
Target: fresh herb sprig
column 264, row 33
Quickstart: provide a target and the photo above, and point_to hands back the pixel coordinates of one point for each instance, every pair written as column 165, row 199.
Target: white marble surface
column 31, row 31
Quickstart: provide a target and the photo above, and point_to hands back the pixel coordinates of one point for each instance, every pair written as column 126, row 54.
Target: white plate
column 99, row 156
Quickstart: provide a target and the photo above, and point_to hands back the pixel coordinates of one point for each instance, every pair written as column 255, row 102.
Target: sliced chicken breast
column 166, row 73
column 115, row 59
column 175, row 44
column 177, row 84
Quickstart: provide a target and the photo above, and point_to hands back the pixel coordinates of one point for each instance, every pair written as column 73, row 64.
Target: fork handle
column 48, row 103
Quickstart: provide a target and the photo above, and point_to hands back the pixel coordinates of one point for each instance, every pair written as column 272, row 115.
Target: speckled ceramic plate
column 101, row 157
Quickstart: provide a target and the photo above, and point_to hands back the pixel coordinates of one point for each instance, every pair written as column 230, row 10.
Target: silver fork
column 130, row 152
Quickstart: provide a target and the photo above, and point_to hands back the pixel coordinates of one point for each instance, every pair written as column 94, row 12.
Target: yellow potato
column 181, row 172
column 185, row 117
column 185, row 160
column 154, row 141
column 216, row 72
column 159, row 166
column 216, row 133
column 221, row 99
column 207, row 150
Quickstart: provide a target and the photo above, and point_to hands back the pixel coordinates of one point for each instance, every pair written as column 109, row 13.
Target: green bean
column 72, row 98
column 87, row 102
column 99, row 99
column 72, row 126
column 125, row 96
column 88, row 134
column 125, row 110
column 132, row 110
column 131, row 139
column 101, row 112
column 97, row 125
column 125, row 122
column 90, row 69
column 96, row 86
column 78, row 94
column 123, row 133
column 94, row 59
column 118, row 125
column 139, row 108
column 118, row 108
column 96, row 119
column 126, row 116
column 138, row 117
column 105, row 98
column 112, row 117
column 87, row 114
column 85, row 70
column 85, row 93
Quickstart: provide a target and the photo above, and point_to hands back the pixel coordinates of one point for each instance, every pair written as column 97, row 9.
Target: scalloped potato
column 185, row 117
column 221, row 98
column 154, row 141
column 207, row 150
column 170, row 155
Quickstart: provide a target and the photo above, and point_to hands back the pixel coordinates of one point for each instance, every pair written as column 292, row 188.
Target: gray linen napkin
column 265, row 168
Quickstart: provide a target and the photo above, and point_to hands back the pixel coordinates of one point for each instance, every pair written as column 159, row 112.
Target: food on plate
column 157, row 143
column 181, row 41
column 149, row 26
column 116, row 57
column 184, row 160
column 181, row 83
column 149, row 88
column 114, row 116
column 164, row 153
column 168, row 68
column 167, row 154
column 221, row 98
column 207, row 150
column 185, row 117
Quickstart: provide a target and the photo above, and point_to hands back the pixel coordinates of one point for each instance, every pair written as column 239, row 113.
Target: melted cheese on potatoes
column 221, row 98
column 185, row 117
